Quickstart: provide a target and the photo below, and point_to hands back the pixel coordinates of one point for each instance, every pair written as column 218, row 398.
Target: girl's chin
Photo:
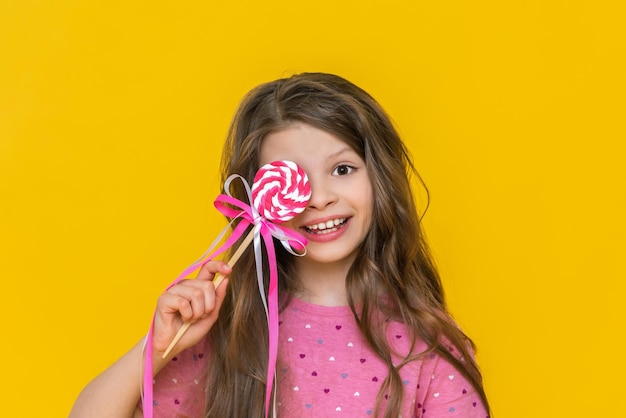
column 328, row 256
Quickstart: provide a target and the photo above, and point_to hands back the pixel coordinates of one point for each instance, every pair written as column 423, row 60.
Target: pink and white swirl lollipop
column 280, row 191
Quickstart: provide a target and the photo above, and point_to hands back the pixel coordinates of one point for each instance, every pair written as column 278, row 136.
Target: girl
column 364, row 328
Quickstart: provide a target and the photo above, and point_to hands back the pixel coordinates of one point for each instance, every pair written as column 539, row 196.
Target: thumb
column 220, row 293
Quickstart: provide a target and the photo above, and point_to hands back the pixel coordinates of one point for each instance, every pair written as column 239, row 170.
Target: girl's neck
column 322, row 284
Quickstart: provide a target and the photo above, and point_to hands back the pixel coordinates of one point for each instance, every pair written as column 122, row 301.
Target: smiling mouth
column 326, row 227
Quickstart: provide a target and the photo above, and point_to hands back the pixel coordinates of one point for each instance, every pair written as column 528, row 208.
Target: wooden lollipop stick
column 217, row 281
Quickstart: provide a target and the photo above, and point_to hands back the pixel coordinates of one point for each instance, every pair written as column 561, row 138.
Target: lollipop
column 280, row 191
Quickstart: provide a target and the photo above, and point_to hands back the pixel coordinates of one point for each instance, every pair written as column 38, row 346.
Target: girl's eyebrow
column 341, row 152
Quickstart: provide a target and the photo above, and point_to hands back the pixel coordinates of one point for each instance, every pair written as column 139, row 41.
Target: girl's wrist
column 158, row 362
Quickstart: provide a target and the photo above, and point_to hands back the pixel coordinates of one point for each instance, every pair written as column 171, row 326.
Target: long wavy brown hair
column 393, row 274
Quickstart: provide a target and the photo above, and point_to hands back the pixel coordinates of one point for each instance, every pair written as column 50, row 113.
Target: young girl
column 364, row 328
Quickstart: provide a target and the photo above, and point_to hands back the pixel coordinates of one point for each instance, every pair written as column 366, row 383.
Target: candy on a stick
column 280, row 191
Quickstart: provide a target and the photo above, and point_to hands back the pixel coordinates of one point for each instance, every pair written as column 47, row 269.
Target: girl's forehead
column 303, row 144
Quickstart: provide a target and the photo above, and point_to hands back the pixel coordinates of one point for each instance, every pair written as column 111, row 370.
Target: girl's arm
column 446, row 392
column 115, row 392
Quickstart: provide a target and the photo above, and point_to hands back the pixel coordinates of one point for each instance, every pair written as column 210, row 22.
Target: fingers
column 192, row 299
column 212, row 269
column 197, row 297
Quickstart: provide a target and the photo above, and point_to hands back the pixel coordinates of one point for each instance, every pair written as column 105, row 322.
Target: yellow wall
column 112, row 115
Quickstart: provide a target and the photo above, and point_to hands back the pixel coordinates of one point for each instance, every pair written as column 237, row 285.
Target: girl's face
column 339, row 213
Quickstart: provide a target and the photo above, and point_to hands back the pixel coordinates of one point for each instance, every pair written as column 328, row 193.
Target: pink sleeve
column 179, row 386
column 445, row 392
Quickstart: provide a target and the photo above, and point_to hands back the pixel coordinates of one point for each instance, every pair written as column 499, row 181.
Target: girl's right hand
column 195, row 301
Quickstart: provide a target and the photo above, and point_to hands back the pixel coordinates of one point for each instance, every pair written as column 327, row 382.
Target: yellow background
column 112, row 115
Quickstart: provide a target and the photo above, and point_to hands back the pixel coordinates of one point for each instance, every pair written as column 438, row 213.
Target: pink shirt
column 326, row 369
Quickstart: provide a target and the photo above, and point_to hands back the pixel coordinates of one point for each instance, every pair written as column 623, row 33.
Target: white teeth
column 328, row 224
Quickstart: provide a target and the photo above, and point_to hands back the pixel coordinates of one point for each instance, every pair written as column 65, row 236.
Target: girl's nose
column 322, row 196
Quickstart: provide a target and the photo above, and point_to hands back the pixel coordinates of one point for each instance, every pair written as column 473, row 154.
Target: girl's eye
column 342, row 170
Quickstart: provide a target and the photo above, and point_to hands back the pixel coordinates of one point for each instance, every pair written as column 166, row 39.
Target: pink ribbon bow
column 264, row 230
